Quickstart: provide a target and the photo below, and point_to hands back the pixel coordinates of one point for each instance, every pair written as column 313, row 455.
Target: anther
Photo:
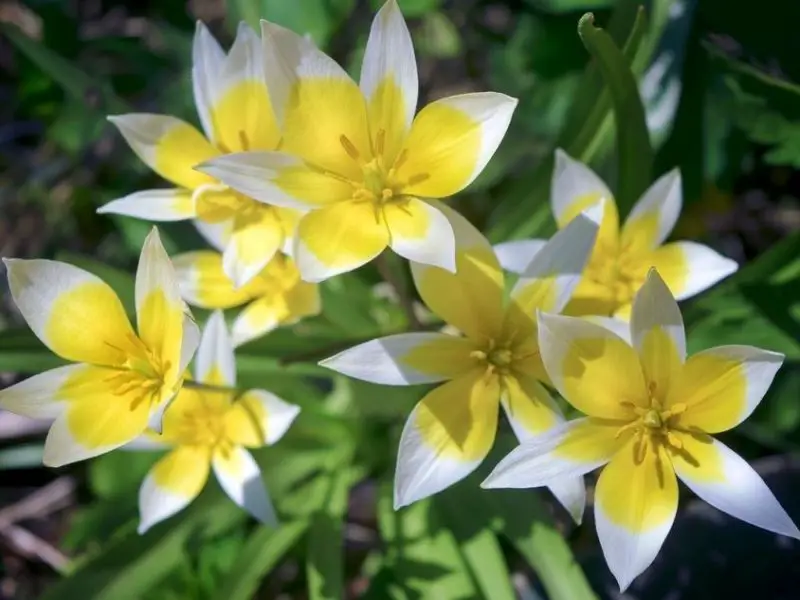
column 418, row 178
column 674, row 441
column 380, row 141
column 401, row 159
column 243, row 140
column 349, row 147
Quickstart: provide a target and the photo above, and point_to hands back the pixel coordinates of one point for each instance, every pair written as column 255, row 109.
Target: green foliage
column 578, row 85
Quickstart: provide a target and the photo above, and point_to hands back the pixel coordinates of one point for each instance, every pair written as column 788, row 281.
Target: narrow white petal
column 38, row 397
column 276, row 415
column 253, row 174
column 536, row 463
column 389, row 56
column 550, row 278
column 239, row 475
column 208, row 59
column 155, row 274
column 705, row 268
column 153, row 205
column 216, row 234
column 189, row 341
column 572, row 182
column 437, row 248
column 734, row 487
column 516, row 255
column 215, row 362
column 381, row 360
column 655, row 309
column 661, row 201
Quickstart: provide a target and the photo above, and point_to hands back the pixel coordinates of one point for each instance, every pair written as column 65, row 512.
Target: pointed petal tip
column 595, row 212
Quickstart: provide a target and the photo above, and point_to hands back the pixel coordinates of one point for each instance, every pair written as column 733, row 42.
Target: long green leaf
column 22, row 352
column 264, row 549
column 635, row 153
column 324, row 553
column 78, row 84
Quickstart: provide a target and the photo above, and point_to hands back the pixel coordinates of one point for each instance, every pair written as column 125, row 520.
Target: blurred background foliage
column 720, row 86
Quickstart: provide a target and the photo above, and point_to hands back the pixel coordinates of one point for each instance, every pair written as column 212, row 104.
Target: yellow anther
column 418, row 178
column 386, row 194
column 675, row 409
column 380, row 141
column 501, row 357
column 349, row 147
column 401, row 159
column 674, row 441
column 243, row 140
column 478, row 354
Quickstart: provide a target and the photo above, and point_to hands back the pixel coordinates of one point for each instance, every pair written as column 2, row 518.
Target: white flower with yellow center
column 124, row 379
column 651, row 412
column 210, row 430
column 622, row 257
column 495, row 363
column 358, row 158
column 276, row 296
column 235, row 112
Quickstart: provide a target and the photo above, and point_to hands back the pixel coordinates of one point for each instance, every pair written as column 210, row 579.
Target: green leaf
column 325, row 546
column 22, row 352
column 79, row 85
column 128, row 568
column 410, row 8
column 463, row 511
column 306, row 17
column 438, row 37
column 264, row 549
column 635, row 154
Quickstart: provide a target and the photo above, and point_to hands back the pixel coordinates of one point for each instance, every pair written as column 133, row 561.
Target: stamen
column 243, row 140
column 401, row 159
column 348, row 146
column 380, row 141
column 478, row 354
column 674, row 441
column 675, row 409
column 624, row 428
column 640, row 448
column 418, row 178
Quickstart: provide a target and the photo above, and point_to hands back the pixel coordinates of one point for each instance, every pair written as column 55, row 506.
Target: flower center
column 617, row 270
column 498, row 356
column 653, row 424
column 203, row 427
column 141, row 376
column 379, row 183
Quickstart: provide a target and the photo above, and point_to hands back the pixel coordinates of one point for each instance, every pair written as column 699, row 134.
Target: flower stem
column 390, row 275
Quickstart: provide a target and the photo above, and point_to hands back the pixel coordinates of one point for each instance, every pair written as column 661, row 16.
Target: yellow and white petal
column 74, row 313
column 658, row 334
column 215, row 363
column 337, row 239
column 316, row 103
column 208, row 59
column 153, row 205
column 688, row 268
column 43, row 396
column 241, row 113
column 406, row 359
column 167, row 145
column 620, row 328
column 189, row 342
column 451, row 140
column 516, row 255
column 471, row 299
column 549, row 279
column 203, row 282
column 722, row 386
column 160, row 311
column 636, row 500
column 149, row 441
column 722, row 478
column 389, row 80
column 653, row 217
column 258, row 318
column 216, row 234
column 278, row 178
column 568, row 450
column 593, row 369
column 239, row 475
column 259, row 418
column 422, row 233
column 172, row 483
column 446, row 436
column 97, row 418
column 302, row 300
column 574, row 188
column 253, row 244
column 531, row 412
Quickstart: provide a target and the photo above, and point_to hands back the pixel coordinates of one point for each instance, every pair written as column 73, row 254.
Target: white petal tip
column 595, row 212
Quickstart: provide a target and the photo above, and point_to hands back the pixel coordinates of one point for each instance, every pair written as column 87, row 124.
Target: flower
column 235, row 112
column 358, row 157
column 651, row 412
column 123, row 380
column 276, row 296
column 622, row 257
column 496, row 362
column 209, row 429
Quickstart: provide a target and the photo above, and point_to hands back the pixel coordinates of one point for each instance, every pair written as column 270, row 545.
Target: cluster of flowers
column 302, row 175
